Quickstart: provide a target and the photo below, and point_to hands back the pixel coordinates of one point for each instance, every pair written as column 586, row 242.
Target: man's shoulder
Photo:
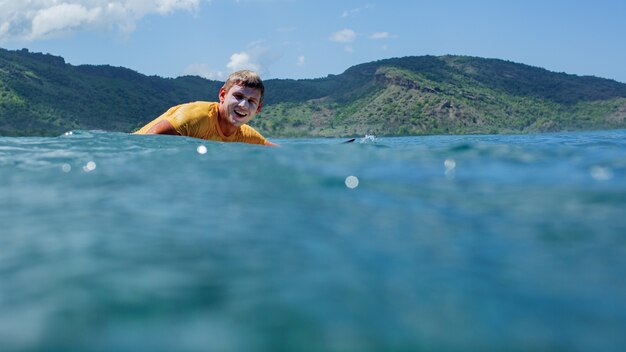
column 199, row 106
column 193, row 110
column 251, row 135
column 245, row 128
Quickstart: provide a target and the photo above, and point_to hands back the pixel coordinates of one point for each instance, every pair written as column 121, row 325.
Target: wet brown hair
column 245, row 78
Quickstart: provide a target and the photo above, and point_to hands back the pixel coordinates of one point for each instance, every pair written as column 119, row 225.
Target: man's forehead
column 245, row 90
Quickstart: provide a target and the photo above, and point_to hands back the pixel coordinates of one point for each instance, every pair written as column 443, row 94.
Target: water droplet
column 450, row 164
column 201, row 149
column 352, row 182
column 601, row 173
column 66, row 167
column 90, row 166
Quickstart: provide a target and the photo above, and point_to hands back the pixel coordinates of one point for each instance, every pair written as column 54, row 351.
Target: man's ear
column 259, row 108
column 222, row 94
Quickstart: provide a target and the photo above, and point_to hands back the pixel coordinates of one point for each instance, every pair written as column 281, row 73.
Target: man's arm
column 162, row 127
column 165, row 127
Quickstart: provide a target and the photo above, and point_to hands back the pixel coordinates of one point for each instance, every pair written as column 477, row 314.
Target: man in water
column 240, row 99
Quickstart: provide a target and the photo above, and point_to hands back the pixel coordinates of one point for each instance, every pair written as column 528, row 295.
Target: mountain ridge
column 40, row 94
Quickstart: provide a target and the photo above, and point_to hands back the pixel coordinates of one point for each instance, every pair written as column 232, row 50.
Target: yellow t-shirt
column 199, row 120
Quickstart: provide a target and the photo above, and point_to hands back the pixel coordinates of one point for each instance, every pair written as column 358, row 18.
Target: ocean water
column 116, row 242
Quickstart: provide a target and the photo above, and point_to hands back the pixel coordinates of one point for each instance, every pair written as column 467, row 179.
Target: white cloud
column 203, row 71
column 242, row 61
column 301, row 60
column 4, row 29
column 257, row 57
column 343, row 36
column 356, row 11
column 37, row 19
column 62, row 17
column 380, row 35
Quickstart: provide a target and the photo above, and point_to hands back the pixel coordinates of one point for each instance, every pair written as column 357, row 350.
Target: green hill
column 40, row 94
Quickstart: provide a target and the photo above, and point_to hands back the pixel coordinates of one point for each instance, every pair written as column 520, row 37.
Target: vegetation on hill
column 42, row 95
column 449, row 94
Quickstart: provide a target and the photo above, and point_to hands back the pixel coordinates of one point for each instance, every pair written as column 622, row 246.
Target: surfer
column 240, row 99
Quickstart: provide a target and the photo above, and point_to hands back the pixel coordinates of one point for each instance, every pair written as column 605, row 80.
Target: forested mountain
column 40, row 94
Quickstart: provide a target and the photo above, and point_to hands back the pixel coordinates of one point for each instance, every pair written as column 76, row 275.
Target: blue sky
column 310, row 39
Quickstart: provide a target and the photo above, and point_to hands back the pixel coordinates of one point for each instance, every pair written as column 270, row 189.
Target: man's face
column 240, row 104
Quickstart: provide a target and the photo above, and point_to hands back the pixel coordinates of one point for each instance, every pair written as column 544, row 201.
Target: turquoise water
column 115, row 242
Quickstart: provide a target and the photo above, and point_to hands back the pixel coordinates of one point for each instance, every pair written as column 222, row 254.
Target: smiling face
column 238, row 106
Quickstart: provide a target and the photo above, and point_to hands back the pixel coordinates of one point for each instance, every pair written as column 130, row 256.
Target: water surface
column 115, row 242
